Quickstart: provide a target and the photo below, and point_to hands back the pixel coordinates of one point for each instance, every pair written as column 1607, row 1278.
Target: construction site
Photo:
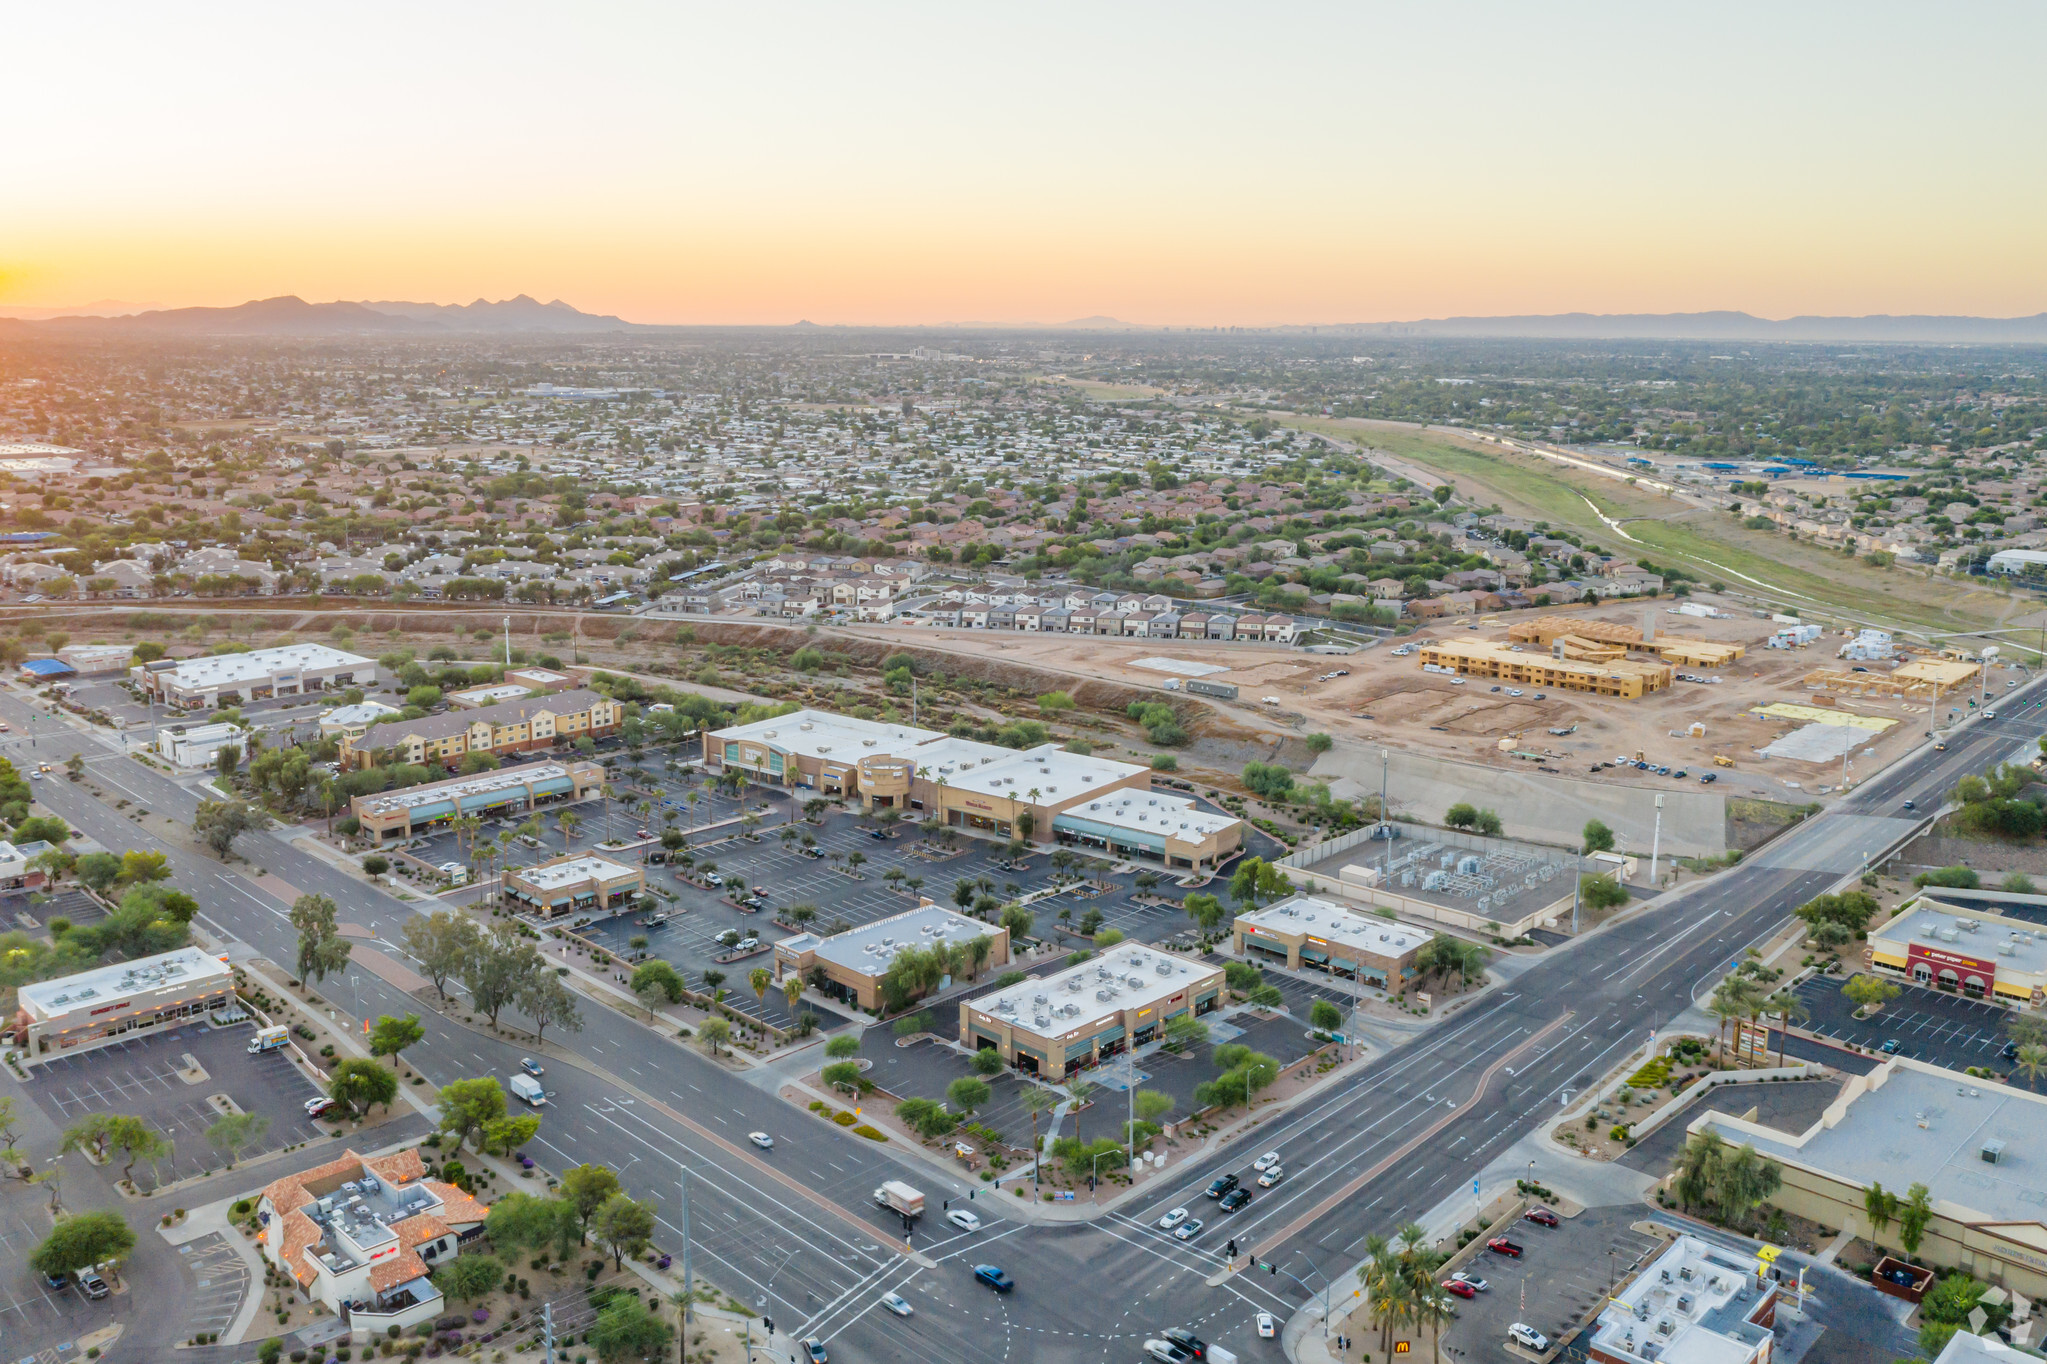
column 1705, row 688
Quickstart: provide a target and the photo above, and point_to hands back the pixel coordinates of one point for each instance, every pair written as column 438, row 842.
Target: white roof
column 206, row 734
column 1697, row 1317
column 110, row 984
column 481, row 783
column 839, row 738
column 588, row 867
column 870, row 948
column 223, row 669
column 1050, row 770
column 368, row 713
column 1077, row 1000
column 503, row 691
column 2014, row 945
column 1332, row 922
column 1152, row 813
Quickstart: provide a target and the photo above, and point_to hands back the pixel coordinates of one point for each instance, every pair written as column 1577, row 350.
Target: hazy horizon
column 1165, row 166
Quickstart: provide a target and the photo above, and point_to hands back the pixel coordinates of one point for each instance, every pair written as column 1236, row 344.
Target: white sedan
column 963, row 1219
column 1266, row 1161
column 1172, row 1219
column 1271, row 1177
column 898, row 1304
column 762, row 1140
column 1267, row 1328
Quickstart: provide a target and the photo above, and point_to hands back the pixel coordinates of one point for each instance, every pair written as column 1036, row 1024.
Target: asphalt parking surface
column 1941, row 1029
column 1788, row 1106
column 140, row 1078
column 219, row 1285
column 1563, row 1275
column 33, row 1318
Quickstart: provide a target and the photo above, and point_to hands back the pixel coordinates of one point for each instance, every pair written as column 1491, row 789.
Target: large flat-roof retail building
column 981, row 788
column 1319, row 935
column 508, row 790
column 575, row 883
column 1979, row 1147
column 850, row 965
column 231, row 679
column 1964, row 952
column 115, row 1003
column 1077, row 1017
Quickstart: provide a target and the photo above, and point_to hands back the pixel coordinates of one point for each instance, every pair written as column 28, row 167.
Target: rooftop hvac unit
column 1037, row 999
column 1684, row 1303
column 1993, row 1150
column 1685, row 1272
column 1165, row 968
column 1665, row 1326
column 1101, row 996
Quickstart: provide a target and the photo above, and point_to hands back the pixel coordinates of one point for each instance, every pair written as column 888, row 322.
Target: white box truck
column 528, row 1088
column 901, row 1197
column 269, row 1039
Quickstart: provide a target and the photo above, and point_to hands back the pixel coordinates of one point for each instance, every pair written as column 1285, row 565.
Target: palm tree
column 2032, row 1062
column 570, row 821
column 1787, row 1006
column 1036, row 1100
column 1726, row 1005
column 792, row 990
column 1880, row 1206
column 1077, row 1092
column 1697, row 1177
column 608, row 793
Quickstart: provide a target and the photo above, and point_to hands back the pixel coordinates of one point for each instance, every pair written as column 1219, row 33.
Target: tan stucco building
column 507, row 727
column 849, row 966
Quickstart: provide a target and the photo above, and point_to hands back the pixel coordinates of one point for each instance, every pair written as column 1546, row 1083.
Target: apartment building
column 507, row 727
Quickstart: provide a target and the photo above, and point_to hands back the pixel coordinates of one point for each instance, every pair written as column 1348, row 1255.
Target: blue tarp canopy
column 48, row 667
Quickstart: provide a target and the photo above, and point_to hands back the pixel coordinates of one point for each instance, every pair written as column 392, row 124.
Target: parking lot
column 1565, row 1273
column 33, row 1317
column 1941, row 1029
column 34, row 912
column 219, row 1283
column 141, row 1079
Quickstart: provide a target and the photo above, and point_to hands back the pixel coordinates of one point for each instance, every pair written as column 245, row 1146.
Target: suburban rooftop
column 815, row 733
column 553, row 875
column 2015, row 944
column 482, row 783
column 186, row 965
column 871, row 947
column 259, row 664
column 1326, row 919
column 1127, row 976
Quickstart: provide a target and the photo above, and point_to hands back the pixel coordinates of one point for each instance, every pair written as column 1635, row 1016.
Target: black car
column 1234, row 1199
column 1195, row 1347
column 1222, row 1185
column 2008, row 1052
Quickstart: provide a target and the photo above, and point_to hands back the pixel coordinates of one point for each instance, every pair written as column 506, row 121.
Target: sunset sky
column 1179, row 164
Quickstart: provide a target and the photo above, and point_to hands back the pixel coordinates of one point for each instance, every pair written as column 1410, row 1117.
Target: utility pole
column 688, row 1290
column 547, row 1329
column 1655, row 842
column 508, row 641
column 1385, row 828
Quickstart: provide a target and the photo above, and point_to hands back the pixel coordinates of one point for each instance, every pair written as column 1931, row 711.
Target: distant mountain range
column 1723, row 326
column 293, row 316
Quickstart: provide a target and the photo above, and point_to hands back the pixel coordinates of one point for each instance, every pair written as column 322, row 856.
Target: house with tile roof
column 362, row 1234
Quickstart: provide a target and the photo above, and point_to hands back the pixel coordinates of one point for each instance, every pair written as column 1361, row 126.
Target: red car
column 1460, row 1288
column 1500, row 1245
column 1542, row 1217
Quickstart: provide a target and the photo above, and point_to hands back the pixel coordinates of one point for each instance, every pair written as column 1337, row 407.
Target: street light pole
column 688, row 1289
column 1655, row 842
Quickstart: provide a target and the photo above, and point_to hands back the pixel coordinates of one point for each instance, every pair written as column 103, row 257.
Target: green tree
column 657, row 982
column 927, row 1117
column 503, row 966
column 1913, row 1216
column 967, row 1094
column 715, row 1032
column 520, row 1221
column 843, row 1075
column 1185, row 1031
column 1870, row 993
column 220, row 822
column 987, row 1062
column 1462, row 815
column 1598, row 838
column 357, row 1084
column 97, row 871
column 1880, row 1207
column 547, row 1002
column 502, row 1136
column 843, row 1046
column 321, row 948
column 390, row 1036
column 466, row 1105
column 1324, row 1016
column 468, row 1277
column 1206, row 911
column 84, row 1241
column 626, row 1330
column 623, row 1226
column 441, row 942
column 1320, row 743
column 585, row 1188
column 234, row 1133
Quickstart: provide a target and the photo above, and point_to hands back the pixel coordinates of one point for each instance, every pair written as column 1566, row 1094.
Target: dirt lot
column 1386, row 698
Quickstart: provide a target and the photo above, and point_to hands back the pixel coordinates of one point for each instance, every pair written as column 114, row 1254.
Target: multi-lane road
column 793, row 1231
